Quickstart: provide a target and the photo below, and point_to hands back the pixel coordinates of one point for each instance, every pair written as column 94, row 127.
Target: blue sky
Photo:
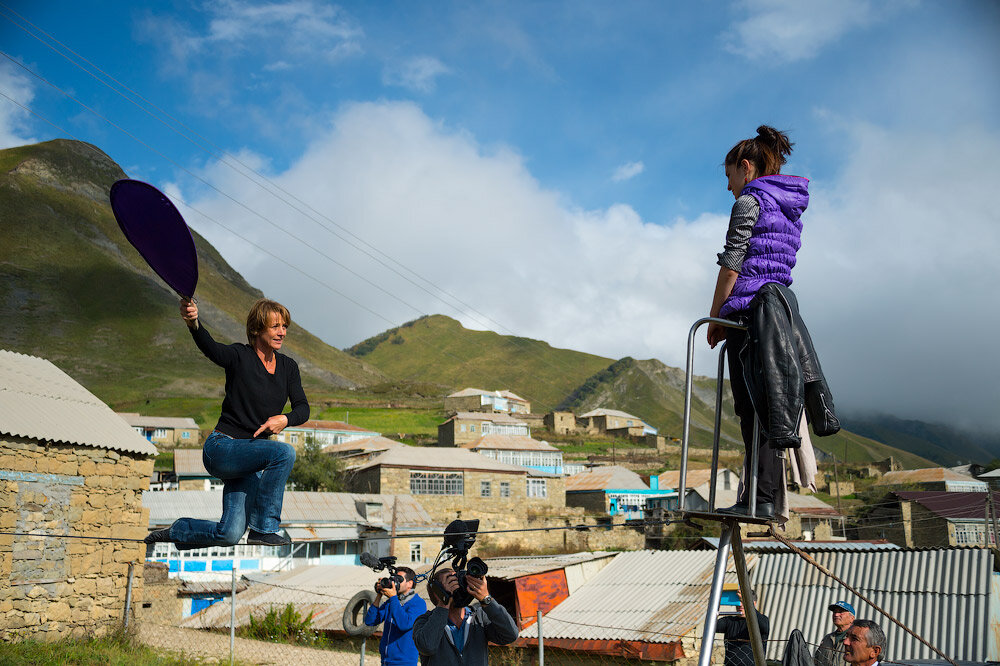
column 557, row 166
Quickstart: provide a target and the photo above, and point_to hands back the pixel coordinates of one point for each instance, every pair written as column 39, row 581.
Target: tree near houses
column 315, row 470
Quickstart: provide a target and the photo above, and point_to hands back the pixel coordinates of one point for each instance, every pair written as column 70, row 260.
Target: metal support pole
column 718, row 578
column 364, row 644
column 746, row 594
column 128, row 594
column 541, row 644
column 232, row 618
column 688, row 386
column 718, row 428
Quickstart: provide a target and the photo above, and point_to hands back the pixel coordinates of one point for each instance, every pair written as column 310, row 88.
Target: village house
column 519, row 450
column 931, row 519
column 616, row 423
column 164, row 431
column 931, row 478
column 190, row 472
column 69, row 467
column 323, row 433
column 478, row 400
column 560, row 423
column 611, row 490
column 464, row 427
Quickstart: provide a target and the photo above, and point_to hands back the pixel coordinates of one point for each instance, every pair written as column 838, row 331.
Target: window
column 415, row 551
column 462, row 428
column 295, row 438
column 484, row 489
column 537, row 488
column 159, row 433
column 505, row 489
column 436, row 483
column 186, row 435
column 472, row 427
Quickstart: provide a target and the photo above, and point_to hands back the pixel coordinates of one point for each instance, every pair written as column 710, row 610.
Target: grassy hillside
column 75, row 292
column 655, row 392
column 438, row 349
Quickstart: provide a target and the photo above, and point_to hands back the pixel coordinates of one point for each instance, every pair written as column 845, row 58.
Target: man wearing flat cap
column 831, row 649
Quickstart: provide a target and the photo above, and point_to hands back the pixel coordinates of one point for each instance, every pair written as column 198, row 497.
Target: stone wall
column 52, row 587
column 594, row 501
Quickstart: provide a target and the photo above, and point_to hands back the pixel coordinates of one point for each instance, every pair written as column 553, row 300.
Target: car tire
column 354, row 614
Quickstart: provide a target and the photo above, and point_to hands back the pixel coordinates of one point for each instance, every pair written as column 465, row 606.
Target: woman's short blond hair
column 260, row 314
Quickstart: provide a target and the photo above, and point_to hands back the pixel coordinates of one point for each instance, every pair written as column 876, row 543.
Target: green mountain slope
column 943, row 444
column 655, row 392
column 74, row 291
column 439, row 349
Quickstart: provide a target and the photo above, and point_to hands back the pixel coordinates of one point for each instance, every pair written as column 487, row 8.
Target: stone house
column 561, row 423
column 478, row 400
column 164, row 431
column 359, row 451
column 456, row 483
column 465, row 427
column 932, row 519
column 69, row 467
column 615, row 422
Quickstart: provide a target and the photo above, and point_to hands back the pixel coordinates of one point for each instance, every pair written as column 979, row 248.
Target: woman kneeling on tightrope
column 253, row 468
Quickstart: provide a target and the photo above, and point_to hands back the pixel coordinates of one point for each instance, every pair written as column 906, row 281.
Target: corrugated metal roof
column 137, row 420
column 509, row 568
column 320, row 592
column 188, row 462
column 927, row 475
column 316, row 424
column 509, row 443
column 649, row 596
column 951, row 505
column 40, row 401
column 768, row 545
column 609, row 412
column 298, row 508
column 942, row 594
column 363, row 444
column 439, row 457
column 605, row 478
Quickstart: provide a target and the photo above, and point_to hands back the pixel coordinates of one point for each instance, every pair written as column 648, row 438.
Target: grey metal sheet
column 942, row 594
column 40, row 401
column 650, row 596
column 509, row 568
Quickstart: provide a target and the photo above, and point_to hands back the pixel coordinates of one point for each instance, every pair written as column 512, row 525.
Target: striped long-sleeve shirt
column 746, row 210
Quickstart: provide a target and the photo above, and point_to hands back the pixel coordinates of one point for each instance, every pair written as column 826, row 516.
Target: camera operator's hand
column 449, row 582
column 477, row 587
column 389, row 590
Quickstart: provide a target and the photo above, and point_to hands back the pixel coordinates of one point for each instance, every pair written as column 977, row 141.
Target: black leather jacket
column 782, row 371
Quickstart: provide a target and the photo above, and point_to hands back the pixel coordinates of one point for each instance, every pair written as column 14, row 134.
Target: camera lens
column 477, row 568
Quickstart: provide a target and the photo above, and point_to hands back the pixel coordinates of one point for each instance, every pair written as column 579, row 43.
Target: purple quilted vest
column 775, row 238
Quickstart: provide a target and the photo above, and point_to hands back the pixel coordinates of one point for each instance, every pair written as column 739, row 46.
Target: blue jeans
column 254, row 472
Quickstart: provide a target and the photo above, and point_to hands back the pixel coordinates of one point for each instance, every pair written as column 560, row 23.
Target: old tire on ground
column 354, row 614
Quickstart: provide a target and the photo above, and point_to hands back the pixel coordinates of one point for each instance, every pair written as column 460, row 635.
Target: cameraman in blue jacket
column 402, row 606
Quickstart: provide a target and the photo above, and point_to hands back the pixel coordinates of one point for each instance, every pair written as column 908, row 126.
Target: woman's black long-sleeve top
column 253, row 395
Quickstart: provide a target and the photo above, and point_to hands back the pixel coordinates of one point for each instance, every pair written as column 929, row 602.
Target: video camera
column 459, row 537
column 394, row 579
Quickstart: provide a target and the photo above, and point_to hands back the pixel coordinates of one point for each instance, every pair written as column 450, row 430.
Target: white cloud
column 18, row 94
column 892, row 275
column 791, row 30
column 628, row 171
column 295, row 31
column 419, row 74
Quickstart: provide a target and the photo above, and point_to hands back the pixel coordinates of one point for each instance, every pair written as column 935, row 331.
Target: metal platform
column 721, row 517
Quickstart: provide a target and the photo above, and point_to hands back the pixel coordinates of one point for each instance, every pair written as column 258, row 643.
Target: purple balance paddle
column 156, row 229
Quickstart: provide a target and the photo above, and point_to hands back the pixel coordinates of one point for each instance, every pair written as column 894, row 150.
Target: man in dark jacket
column 739, row 652
column 457, row 635
column 401, row 608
